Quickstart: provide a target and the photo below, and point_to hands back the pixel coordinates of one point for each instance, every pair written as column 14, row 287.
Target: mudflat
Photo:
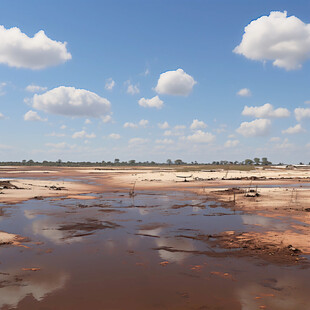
column 154, row 238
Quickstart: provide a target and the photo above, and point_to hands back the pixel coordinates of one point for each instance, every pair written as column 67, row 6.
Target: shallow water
column 118, row 252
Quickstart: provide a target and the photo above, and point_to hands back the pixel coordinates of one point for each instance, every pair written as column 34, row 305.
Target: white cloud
column 176, row 83
column 130, row 125
column 106, row 119
column 281, row 39
column 2, row 86
column 143, row 122
column 231, row 143
column 2, row 116
column 83, row 134
column 307, row 102
column 164, row 141
column 168, row 133
column 132, row 89
column 244, row 92
column 146, row 72
column 114, row 136
column 154, row 102
column 293, row 130
column 265, row 111
column 55, row 134
column 196, row 124
column 285, row 145
column 61, row 145
column 35, row 88
column 258, row 127
column 274, row 139
column 163, row 125
column 69, row 101
column 87, row 121
column 110, row 83
column 33, row 116
column 301, row 113
column 19, row 50
column 63, row 127
column 201, row 137
column 135, row 141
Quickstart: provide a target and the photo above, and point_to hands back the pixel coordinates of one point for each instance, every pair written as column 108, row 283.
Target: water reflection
column 119, row 268
column 16, row 286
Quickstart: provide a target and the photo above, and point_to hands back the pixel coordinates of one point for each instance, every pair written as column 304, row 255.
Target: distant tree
column 116, row 161
column 131, row 162
column 256, row 161
column 178, row 162
column 169, row 162
column 265, row 161
column 248, row 162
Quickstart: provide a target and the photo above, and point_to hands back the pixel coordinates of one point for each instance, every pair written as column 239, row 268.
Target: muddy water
column 119, row 252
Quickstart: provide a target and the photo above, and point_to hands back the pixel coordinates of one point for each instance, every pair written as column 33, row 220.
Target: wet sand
column 141, row 239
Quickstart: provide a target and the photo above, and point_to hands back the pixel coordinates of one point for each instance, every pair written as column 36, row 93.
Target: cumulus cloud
column 176, row 83
column 196, row 124
column 69, row 101
column 33, row 117
column 154, row 102
column 301, row 113
column 201, row 137
column 258, row 127
column 2, row 116
column 293, row 130
column 244, row 92
column 164, row 141
column 143, row 122
column 265, row 111
column 136, row 141
column 274, row 139
column 83, row 134
column 307, row 102
column 231, row 143
column 19, row 50
column 132, row 89
column 87, row 121
column 63, row 127
column 283, row 40
column 130, row 125
column 163, row 125
column 110, row 83
column 35, row 88
column 114, row 136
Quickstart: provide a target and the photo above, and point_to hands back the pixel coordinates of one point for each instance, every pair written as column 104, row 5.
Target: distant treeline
column 256, row 161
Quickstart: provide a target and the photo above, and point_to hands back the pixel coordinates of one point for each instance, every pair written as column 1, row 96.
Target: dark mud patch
column 7, row 185
column 247, row 245
column 86, row 228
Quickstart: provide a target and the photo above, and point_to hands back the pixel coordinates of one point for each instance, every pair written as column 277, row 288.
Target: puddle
column 118, row 252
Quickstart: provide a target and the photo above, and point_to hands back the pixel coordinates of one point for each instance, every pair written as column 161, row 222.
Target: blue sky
column 119, row 52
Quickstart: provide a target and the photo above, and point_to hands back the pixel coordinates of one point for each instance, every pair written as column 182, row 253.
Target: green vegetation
column 247, row 164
